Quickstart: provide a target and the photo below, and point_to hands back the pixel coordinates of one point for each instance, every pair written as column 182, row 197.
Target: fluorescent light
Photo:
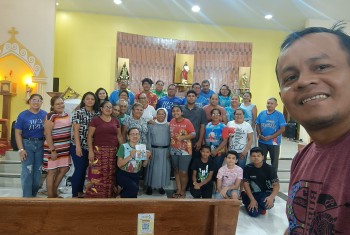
column 196, row 8
column 268, row 16
column 118, row 2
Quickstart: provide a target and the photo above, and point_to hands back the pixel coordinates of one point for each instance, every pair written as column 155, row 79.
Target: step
column 284, row 184
column 11, row 155
column 10, row 166
column 283, row 173
column 10, row 180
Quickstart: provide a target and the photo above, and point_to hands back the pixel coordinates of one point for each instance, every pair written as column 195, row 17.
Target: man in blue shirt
column 270, row 124
column 206, row 92
column 123, row 85
column 169, row 101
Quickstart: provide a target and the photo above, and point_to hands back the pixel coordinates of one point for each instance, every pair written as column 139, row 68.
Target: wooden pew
column 117, row 216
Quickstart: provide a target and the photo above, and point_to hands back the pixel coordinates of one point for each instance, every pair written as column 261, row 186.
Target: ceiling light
column 118, row 2
column 57, row 4
column 196, row 8
column 268, row 16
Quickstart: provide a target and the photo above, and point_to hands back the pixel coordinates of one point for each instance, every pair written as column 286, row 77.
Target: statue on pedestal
column 124, row 73
column 184, row 73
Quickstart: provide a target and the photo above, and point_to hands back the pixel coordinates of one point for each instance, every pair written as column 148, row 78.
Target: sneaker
column 161, row 191
column 263, row 212
column 149, row 191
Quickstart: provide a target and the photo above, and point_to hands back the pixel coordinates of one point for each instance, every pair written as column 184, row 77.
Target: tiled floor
column 274, row 222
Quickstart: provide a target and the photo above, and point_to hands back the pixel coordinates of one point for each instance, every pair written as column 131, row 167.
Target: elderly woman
column 29, row 133
column 129, row 165
column 149, row 113
column 158, row 171
column 104, row 136
column 214, row 103
column 240, row 134
column 124, row 95
column 136, row 120
column 57, row 129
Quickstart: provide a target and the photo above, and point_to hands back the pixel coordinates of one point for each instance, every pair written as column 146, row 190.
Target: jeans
column 31, row 167
column 242, row 162
column 129, row 182
column 259, row 197
column 274, row 151
column 228, row 193
column 80, row 166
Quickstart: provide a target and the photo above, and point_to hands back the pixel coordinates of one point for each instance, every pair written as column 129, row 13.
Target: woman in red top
column 181, row 133
column 104, row 137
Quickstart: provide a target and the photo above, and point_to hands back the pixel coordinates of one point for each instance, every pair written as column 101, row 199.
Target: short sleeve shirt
column 229, row 176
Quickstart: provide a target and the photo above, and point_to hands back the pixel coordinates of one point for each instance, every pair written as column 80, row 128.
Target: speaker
column 56, row 84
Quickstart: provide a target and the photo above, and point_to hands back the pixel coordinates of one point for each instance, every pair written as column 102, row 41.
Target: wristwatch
column 20, row 150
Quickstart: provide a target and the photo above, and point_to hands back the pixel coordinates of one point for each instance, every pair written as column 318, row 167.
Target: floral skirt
column 101, row 173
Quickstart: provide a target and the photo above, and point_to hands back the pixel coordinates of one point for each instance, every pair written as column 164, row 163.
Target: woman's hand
column 53, row 155
column 91, row 158
column 78, row 151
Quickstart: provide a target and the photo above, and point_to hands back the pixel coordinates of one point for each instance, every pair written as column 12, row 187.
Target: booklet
column 140, row 152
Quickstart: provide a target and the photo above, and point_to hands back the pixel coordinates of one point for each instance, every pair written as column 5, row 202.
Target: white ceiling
column 289, row 15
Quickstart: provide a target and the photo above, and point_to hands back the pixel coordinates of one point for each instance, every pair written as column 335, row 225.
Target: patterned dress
column 61, row 140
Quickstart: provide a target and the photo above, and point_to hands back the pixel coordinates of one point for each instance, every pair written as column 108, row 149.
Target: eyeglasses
column 36, row 101
column 107, row 107
column 216, row 114
column 239, row 114
column 134, row 134
column 142, row 98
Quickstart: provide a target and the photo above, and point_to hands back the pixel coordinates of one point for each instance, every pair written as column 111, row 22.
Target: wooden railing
column 117, row 216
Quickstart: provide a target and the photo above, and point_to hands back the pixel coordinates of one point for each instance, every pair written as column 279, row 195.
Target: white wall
column 35, row 22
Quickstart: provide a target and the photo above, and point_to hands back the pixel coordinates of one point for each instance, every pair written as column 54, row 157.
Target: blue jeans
column 259, row 197
column 242, row 162
column 31, row 167
column 80, row 166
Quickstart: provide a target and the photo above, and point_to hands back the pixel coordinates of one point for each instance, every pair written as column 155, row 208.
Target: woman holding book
column 130, row 161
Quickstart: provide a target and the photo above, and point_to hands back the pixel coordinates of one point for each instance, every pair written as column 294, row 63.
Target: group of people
column 103, row 137
column 214, row 132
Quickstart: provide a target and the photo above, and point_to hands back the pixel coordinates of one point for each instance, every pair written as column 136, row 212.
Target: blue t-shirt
column 213, row 134
column 230, row 114
column 31, row 124
column 224, row 101
column 269, row 124
column 168, row 103
column 207, row 95
column 114, row 97
column 200, row 101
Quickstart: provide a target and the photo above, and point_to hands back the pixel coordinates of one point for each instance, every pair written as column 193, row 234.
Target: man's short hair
column 205, row 146
column 233, row 152
column 336, row 30
column 205, row 81
column 272, row 98
column 196, row 84
column 256, row 150
column 159, row 81
column 148, row 80
column 191, row 92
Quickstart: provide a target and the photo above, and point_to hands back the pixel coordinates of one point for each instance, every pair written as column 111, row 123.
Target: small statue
column 245, row 81
column 124, row 73
column 184, row 73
